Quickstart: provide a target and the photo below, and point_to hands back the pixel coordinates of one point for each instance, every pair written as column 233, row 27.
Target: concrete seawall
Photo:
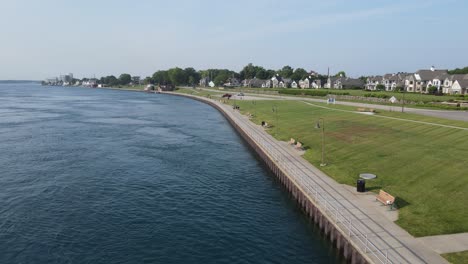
column 347, row 248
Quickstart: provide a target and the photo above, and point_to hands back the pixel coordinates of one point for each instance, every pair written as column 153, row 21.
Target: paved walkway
column 373, row 232
column 446, row 243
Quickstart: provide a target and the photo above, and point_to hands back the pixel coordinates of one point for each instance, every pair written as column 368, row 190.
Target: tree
column 262, row 74
column 125, row 78
column 459, row 71
column 177, row 76
column 380, row 87
column 299, row 74
column 161, row 77
column 192, row 76
column 248, row 72
column 432, row 89
column 286, row 72
column 148, row 80
column 341, row 74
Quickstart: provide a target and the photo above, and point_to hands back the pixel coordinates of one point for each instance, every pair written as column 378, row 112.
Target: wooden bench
column 361, row 109
column 298, row 145
column 292, row 141
column 385, row 198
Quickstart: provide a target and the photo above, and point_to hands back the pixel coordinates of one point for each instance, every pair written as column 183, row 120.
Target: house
column 166, row 87
column 204, row 82
column 310, row 83
column 351, row 83
column 257, row 83
column 427, row 78
column 285, row 83
column 275, row 81
column 136, row 80
column 294, row 84
column 372, row 82
column 316, row 84
column 392, row 81
column 460, row 86
column 232, row 82
column 449, row 81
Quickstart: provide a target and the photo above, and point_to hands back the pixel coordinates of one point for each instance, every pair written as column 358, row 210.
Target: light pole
column 317, row 126
column 274, row 109
column 403, row 103
column 254, row 103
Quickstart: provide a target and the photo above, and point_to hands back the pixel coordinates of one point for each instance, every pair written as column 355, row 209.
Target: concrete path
column 446, row 243
column 373, row 233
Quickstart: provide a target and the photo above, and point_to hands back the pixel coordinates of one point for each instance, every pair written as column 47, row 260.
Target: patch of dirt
column 352, row 133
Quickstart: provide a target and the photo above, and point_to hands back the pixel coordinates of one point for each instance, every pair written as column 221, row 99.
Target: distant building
column 136, row 80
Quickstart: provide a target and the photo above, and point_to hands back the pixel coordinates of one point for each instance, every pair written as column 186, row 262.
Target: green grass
column 424, row 166
column 457, row 258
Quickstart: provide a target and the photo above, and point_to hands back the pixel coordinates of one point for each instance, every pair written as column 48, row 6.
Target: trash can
column 361, row 185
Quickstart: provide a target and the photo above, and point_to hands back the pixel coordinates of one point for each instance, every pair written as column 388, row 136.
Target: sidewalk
column 446, row 243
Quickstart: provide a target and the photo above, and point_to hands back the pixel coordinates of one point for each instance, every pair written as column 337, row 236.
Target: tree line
column 189, row 76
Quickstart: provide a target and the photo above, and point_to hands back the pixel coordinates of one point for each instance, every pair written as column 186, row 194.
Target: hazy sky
column 46, row 38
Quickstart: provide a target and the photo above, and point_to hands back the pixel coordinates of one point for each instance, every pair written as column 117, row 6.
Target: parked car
column 240, row 94
column 226, row 95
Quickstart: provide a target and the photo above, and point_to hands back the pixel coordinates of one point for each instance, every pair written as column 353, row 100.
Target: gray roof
column 432, row 74
column 352, row 82
column 463, row 83
column 256, row 82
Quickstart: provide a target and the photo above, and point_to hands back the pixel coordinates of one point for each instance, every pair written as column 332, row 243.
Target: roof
column 463, row 83
column 426, row 75
column 352, row 82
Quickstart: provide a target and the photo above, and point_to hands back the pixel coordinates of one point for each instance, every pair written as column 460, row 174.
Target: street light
column 254, row 103
column 317, row 126
column 274, row 109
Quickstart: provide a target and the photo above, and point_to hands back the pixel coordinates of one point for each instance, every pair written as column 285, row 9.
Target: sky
column 41, row 39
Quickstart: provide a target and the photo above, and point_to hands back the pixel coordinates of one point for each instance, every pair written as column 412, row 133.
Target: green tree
column 459, row 71
column 148, row 80
column 299, row 74
column 192, row 76
column 249, row 71
column 177, row 76
column 161, row 77
column 286, row 71
column 262, row 74
column 341, row 73
column 380, row 87
column 432, row 89
column 125, row 78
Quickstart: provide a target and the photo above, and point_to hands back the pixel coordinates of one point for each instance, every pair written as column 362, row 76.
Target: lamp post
column 403, row 102
column 274, row 109
column 317, row 126
column 254, row 103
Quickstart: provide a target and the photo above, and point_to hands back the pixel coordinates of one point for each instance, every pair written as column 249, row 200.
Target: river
column 106, row 176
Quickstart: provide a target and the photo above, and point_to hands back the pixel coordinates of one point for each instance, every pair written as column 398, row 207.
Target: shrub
column 310, row 92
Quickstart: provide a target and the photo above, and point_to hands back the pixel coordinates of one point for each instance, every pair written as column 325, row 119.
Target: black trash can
column 361, row 185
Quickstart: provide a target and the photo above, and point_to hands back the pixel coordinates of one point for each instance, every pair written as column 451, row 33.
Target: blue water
column 103, row 176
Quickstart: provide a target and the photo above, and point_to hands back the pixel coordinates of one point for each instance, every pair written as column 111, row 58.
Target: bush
column 310, row 92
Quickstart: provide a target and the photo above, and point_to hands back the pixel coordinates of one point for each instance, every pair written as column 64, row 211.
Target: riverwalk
column 375, row 236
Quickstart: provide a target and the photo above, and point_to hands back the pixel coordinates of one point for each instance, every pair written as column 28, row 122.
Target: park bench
column 292, row 141
column 385, row 198
column 361, row 109
column 298, row 145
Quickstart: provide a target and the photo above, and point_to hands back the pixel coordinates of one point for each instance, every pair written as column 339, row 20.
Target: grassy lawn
column 424, row 166
column 457, row 258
